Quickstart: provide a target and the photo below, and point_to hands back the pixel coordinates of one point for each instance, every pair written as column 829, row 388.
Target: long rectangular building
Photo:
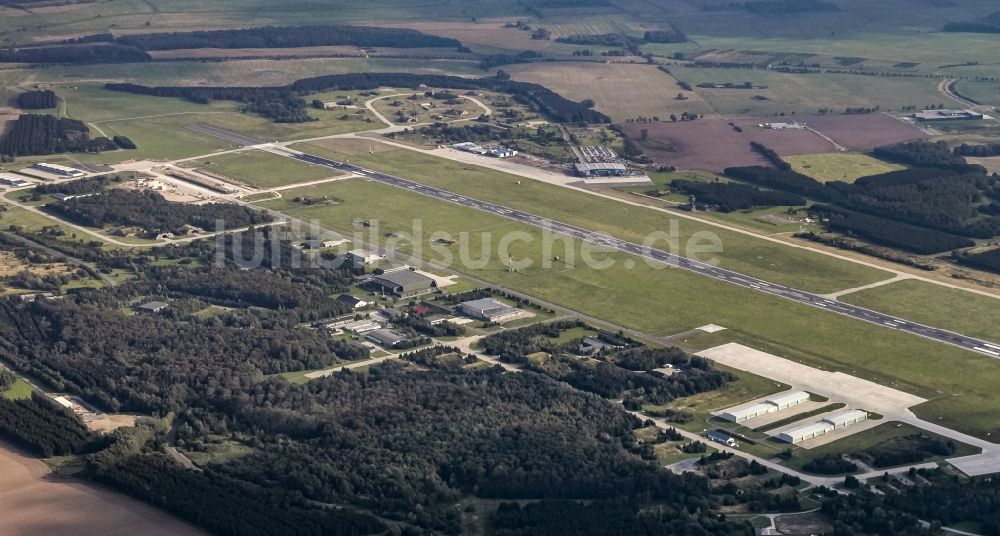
column 826, row 425
column 772, row 404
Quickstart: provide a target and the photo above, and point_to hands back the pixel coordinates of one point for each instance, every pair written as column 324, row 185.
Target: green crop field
column 846, row 167
column 664, row 302
column 954, row 309
column 19, row 389
column 264, row 170
column 767, row 260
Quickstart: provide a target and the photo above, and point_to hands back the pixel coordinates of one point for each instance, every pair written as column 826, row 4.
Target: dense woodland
column 728, row 196
column 75, row 54
column 543, row 99
column 40, row 134
column 89, row 185
column 41, row 99
column 980, row 150
column 43, row 427
column 930, row 208
column 149, row 211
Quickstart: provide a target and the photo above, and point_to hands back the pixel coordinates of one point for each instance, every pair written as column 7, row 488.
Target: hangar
column 772, row 404
column 828, row 424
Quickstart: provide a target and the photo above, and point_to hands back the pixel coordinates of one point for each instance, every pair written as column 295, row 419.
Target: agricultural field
column 30, row 491
column 799, row 94
column 845, row 167
column 953, row 309
column 772, row 261
column 661, row 302
column 714, row 144
column 621, row 91
column 261, row 169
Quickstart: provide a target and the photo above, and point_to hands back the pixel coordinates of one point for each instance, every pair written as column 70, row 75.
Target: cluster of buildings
column 498, row 151
column 796, row 433
column 948, row 115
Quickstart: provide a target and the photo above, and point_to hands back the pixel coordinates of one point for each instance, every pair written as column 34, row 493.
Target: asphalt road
column 721, row 274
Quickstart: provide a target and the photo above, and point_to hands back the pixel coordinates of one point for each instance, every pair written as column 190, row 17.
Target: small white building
column 740, row 414
column 361, row 326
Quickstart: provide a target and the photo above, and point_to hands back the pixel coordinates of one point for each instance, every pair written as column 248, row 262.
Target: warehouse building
column 948, row 115
column 489, row 310
column 601, row 169
column 56, row 169
column 386, row 338
column 13, row 181
column 402, row 284
column 773, row 404
column 836, row 421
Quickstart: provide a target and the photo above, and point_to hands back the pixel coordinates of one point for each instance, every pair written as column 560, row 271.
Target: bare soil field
column 991, row 163
column 34, row 501
column 863, row 132
column 620, row 90
column 713, row 144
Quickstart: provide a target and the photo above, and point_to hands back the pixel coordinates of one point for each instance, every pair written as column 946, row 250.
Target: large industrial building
column 402, row 284
column 836, row 421
column 948, row 115
column 489, row 310
column 773, row 404
column 13, row 181
column 601, row 169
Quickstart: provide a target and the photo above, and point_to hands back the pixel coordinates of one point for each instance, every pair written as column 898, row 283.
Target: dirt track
column 33, row 501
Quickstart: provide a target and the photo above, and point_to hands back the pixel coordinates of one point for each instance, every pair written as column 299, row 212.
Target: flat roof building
column 601, row 169
column 402, row 284
column 361, row 326
column 772, row 404
column 13, row 181
column 801, row 433
column 56, row 169
column 846, row 418
column 361, row 257
column 386, row 338
column 947, row 115
column 489, row 310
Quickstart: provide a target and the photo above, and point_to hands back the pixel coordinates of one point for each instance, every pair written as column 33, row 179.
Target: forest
column 728, row 196
column 152, row 212
column 42, row 134
column 618, row 517
column 927, row 154
column 41, row 426
column 41, row 99
column 980, row 150
column 89, row 185
column 890, row 232
column 543, row 99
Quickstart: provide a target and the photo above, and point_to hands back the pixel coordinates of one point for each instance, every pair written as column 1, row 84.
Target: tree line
column 729, row 196
column 986, row 260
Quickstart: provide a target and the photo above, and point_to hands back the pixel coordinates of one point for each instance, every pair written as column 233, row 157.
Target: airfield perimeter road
column 948, row 337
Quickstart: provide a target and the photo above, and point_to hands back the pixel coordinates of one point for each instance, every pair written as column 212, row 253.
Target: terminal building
column 836, row 421
column 773, row 404
column 56, row 169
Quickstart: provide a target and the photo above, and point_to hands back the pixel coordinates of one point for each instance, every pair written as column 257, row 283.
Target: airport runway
column 969, row 343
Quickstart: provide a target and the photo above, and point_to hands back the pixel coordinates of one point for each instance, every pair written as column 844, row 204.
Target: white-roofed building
column 801, row 433
column 489, row 310
column 846, row 418
column 745, row 413
column 788, row 399
column 56, row 169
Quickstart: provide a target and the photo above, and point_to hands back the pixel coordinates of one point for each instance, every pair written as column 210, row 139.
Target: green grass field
column 954, row 309
column 263, row 170
column 19, row 389
column 846, row 167
column 663, row 302
column 767, row 260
